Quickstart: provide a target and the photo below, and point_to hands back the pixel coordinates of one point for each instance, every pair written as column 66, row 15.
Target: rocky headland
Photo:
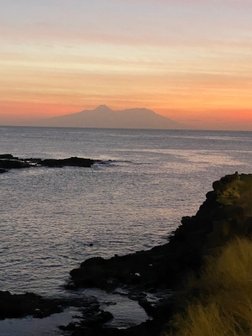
column 160, row 272
column 225, row 214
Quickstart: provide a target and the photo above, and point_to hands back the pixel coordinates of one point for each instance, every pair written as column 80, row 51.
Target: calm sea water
column 53, row 219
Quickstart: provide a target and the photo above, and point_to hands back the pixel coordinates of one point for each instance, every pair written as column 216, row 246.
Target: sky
column 190, row 61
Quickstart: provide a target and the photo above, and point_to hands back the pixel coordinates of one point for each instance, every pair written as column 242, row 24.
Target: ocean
column 53, row 219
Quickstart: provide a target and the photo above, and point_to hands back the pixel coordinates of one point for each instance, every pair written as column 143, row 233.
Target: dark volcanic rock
column 141, row 269
column 7, row 156
column 13, row 164
column 73, row 162
column 8, row 161
column 20, row 305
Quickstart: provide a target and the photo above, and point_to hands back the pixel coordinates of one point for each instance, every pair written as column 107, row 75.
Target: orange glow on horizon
column 181, row 60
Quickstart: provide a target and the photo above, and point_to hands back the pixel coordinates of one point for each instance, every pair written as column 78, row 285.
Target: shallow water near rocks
column 126, row 313
column 30, row 326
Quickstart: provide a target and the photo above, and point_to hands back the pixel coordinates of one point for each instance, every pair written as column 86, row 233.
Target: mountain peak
column 104, row 117
column 102, row 108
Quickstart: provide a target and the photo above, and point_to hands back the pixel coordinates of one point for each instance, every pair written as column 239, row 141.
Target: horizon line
column 132, row 129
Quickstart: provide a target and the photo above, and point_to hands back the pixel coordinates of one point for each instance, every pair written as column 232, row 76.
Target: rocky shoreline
column 163, row 266
column 225, row 214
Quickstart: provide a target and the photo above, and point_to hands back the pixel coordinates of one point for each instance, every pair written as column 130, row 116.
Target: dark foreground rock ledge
column 225, row 214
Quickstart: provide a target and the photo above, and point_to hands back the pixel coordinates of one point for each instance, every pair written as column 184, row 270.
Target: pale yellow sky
column 188, row 60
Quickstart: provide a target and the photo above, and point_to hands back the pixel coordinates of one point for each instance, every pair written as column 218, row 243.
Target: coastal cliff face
column 217, row 299
column 225, row 214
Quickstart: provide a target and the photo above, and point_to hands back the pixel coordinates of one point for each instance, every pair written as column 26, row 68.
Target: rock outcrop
column 20, row 305
column 8, row 161
column 69, row 162
column 225, row 214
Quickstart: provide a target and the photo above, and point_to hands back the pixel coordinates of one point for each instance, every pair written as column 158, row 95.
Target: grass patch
column 220, row 299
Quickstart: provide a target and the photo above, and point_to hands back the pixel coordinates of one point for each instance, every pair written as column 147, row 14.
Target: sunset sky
column 189, row 60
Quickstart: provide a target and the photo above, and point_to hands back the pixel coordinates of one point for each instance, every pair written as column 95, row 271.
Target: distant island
column 104, row 117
